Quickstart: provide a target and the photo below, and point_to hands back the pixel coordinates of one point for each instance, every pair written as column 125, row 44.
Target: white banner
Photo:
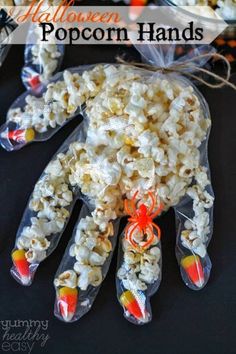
column 110, row 25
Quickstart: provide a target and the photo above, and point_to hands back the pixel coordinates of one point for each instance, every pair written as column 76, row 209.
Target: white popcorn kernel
column 131, row 257
column 202, row 179
column 155, row 251
column 96, row 259
column 104, row 245
column 54, row 168
column 35, row 256
column 83, row 272
column 23, row 242
column 191, row 241
column 95, row 276
column 149, row 273
column 39, row 244
column 82, row 254
column 67, row 278
column 90, row 243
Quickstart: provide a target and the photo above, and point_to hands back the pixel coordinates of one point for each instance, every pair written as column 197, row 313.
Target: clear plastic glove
column 143, row 139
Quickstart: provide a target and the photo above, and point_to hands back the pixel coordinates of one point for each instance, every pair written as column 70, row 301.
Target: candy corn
column 193, row 268
column 20, row 135
column 22, row 266
column 34, row 81
column 67, row 301
column 135, row 12
column 128, row 300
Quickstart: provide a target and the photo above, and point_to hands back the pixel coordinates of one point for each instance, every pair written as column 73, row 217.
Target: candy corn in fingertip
column 193, row 268
column 136, row 8
column 34, row 81
column 67, row 301
column 22, row 265
column 20, row 135
column 128, row 300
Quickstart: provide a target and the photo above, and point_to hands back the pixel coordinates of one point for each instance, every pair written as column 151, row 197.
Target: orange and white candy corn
column 67, row 300
column 128, row 300
column 22, row 265
column 20, row 135
column 193, row 268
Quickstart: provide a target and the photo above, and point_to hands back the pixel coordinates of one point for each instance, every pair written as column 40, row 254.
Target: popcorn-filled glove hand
column 141, row 134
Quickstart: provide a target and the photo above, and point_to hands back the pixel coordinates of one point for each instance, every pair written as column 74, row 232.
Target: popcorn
column 130, row 279
column 23, row 243
column 7, row 3
column 191, row 241
column 102, row 218
column 141, row 134
column 91, row 249
column 82, row 254
column 42, row 59
column 40, row 228
column 104, row 245
column 95, row 276
column 50, row 197
column 35, row 256
column 224, row 8
column 67, row 278
column 46, row 56
column 149, row 272
column 39, row 244
column 139, row 269
column 88, row 275
column 95, row 259
column 202, row 178
column 132, row 257
column 54, row 168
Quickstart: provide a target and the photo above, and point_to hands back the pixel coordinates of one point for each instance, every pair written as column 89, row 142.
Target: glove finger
column 46, row 215
column 32, row 118
column 138, row 278
column 194, row 232
column 38, row 114
column 42, row 60
column 84, row 266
